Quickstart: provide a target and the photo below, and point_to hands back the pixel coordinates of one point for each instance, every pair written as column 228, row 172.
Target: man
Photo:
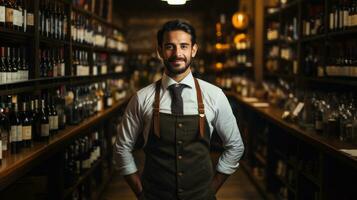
column 176, row 117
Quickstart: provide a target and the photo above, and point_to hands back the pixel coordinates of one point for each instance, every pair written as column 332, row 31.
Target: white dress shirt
column 137, row 120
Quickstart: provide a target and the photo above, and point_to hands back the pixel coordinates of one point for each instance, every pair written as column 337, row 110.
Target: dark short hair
column 175, row 25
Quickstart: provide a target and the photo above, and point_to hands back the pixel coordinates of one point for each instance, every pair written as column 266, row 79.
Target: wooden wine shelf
column 53, row 42
column 330, row 146
column 289, row 186
column 260, row 158
column 311, row 178
column 96, row 17
column 100, row 190
column 43, row 83
column 83, row 177
column 283, row 15
column 15, row 36
column 259, row 184
column 332, row 81
column 16, row 165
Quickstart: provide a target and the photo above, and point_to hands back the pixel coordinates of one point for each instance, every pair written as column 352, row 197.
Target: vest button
column 179, row 157
column 180, row 190
column 180, row 174
column 180, row 125
column 179, row 142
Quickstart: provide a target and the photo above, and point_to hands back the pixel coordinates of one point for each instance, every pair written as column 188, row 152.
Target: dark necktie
column 177, row 102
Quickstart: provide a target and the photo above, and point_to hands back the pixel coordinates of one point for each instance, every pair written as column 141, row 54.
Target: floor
column 237, row 187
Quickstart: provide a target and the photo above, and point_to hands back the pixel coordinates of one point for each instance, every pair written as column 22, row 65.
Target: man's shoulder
column 209, row 88
column 146, row 92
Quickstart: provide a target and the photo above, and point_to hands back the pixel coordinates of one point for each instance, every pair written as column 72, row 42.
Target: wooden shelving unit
column 18, row 165
column 308, row 154
column 283, row 15
column 30, row 160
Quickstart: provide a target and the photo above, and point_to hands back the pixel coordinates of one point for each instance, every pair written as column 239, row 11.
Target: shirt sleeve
column 128, row 131
column 227, row 129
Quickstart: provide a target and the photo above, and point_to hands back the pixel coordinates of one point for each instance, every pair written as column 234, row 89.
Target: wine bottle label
column 345, row 18
column 45, row 130
column 9, row 77
column 354, row 20
column 9, row 15
column 26, row 132
column 5, row 136
column 340, row 18
column 55, row 122
column 13, row 134
column 335, row 20
column 26, row 75
column 3, row 76
column 55, row 70
column 30, row 19
column 100, row 105
column 47, row 28
column 15, row 76
column 95, row 70
column 16, row 17
column 21, row 18
column 110, row 101
column 50, row 122
column 2, row 14
column 332, row 17
column 19, row 133
column 20, row 75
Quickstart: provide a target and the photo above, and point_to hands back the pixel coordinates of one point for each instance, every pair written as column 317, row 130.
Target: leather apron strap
column 201, row 109
column 156, row 111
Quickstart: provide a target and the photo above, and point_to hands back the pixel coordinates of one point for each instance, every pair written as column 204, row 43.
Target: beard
column 176, row 69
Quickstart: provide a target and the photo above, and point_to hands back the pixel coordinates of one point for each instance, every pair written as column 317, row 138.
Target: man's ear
column 194, row 50
column 159, row 51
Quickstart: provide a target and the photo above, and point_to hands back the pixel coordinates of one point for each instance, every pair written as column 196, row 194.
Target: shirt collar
column 168, row 81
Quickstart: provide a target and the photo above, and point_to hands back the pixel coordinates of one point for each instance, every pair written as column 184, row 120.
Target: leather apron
column 178, row 164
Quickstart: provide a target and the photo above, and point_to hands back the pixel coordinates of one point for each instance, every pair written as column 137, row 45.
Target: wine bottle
column 2, row 13
column 36, row 120
column 3, row 72
column 16, row 130
column 4, row 129
column 45, row 124
column 9, row 14
column 26, row 119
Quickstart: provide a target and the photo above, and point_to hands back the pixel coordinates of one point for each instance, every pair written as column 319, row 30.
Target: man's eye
column 184, row 46
column 169, row 47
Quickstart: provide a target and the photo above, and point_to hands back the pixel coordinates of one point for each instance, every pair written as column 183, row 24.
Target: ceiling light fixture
column 176, row 2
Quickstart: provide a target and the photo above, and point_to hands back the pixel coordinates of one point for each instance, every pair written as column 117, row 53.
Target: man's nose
column 178, row 52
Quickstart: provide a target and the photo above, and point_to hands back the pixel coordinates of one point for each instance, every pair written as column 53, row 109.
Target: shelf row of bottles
column 81, row 155
column 341, row 16
column 52, row 63
column 337, row 59
column 98, row 7
column 55, row 22
column 14, row 64
column 84, row 63
column 27, row 118
column 16, row 15
column 331, row 115
column 85, row 30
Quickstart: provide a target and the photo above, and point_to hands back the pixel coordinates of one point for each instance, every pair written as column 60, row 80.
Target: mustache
column 175, row 58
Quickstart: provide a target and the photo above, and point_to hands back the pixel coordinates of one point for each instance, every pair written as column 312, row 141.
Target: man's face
column 177, row 51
